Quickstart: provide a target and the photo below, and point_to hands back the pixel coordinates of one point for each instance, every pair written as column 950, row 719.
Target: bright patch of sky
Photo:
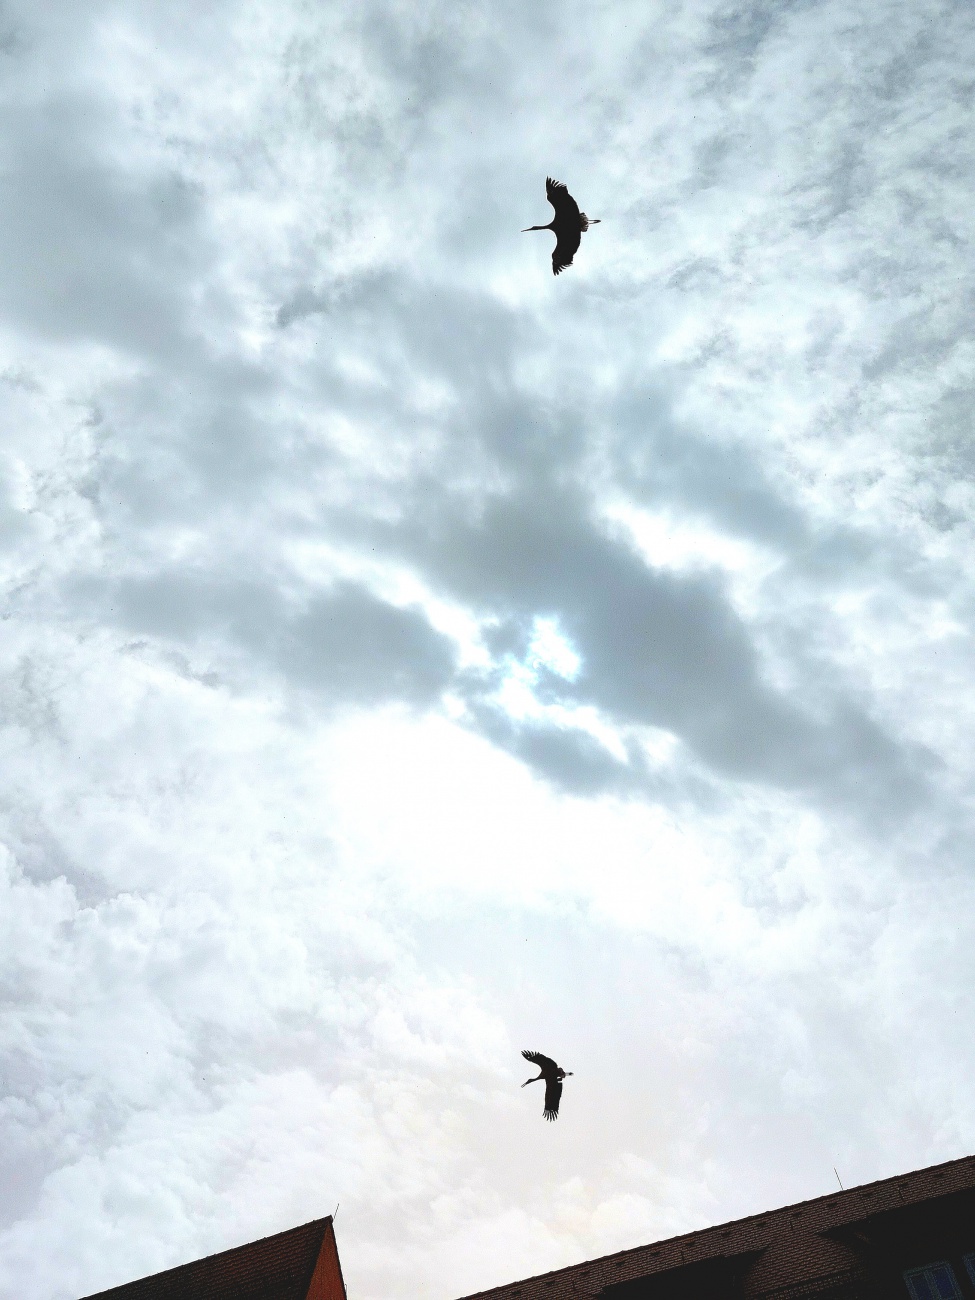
column 547, row 652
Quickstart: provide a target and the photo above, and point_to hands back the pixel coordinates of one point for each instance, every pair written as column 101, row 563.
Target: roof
column 793, row 1242
column 300, row 1264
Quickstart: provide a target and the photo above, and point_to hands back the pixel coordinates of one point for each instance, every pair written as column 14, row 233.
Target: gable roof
column 795, row 1239
column 299, row 1264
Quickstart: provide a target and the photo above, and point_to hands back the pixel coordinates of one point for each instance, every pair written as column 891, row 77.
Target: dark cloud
column 355, row 647
column 88, row 252
column 346, row 644
column 657, row 648
column 569, row 758
column 663, row 461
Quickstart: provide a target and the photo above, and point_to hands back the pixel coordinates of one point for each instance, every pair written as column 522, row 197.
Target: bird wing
column 553, row 1095
column 561, row 200
column 565, row 249
column 544, row 1063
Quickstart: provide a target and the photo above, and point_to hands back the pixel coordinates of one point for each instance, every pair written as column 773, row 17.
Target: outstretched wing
column 561, row 200
column 565, row 249
column 553, row 1095
column 544, row 1063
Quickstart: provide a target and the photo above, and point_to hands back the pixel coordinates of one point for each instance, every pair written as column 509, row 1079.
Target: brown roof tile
column 300, row 1264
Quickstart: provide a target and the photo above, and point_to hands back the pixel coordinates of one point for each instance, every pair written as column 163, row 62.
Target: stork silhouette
column 568, row 224
column 553, row 1075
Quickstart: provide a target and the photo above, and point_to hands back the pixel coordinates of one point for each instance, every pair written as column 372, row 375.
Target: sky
column 409, row 657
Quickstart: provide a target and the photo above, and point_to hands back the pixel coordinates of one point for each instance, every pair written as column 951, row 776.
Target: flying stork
column 553, row 1075
column 567, row 224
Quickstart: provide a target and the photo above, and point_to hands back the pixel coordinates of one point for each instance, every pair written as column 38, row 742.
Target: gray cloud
column 366, row 650
column 658, row 649
column 347, row 644
column 89, row 253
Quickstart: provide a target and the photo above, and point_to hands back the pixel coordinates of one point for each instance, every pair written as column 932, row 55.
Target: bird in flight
column 553, row 1075
column 567, row 224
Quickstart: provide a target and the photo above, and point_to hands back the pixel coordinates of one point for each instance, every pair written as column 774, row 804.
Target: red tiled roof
column 788, row 1239
column 300, row 1264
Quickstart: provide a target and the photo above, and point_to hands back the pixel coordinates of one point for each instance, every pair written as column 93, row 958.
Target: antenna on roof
column 842, row 1188
column 335, row 1212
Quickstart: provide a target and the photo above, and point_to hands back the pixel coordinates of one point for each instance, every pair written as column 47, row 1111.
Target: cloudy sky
column 409, row 657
